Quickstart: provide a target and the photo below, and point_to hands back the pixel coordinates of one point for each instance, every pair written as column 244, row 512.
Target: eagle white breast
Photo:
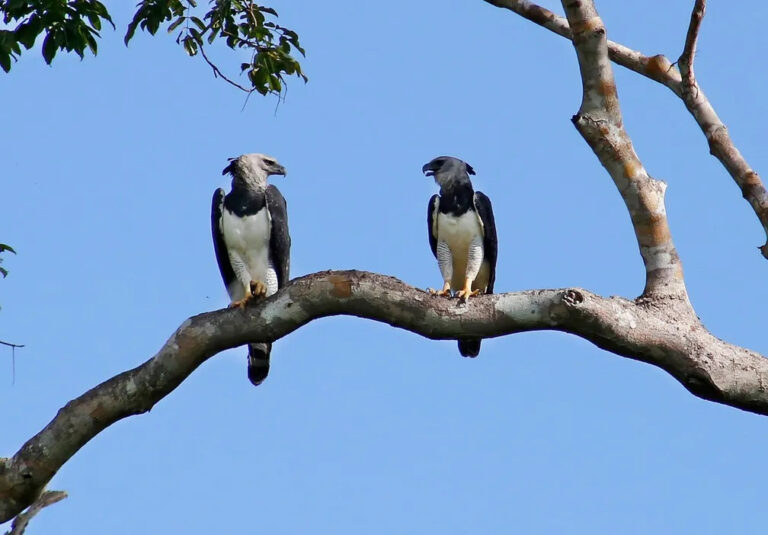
column 247, row 240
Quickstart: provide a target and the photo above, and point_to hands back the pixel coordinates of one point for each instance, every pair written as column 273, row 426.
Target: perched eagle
column 251, row 240
column 462, row 235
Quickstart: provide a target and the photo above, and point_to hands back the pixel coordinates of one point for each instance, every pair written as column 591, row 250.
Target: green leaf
column 137, row 18
column 27, row 33
column 175, row 24
column 199, row 23
column 49, row 48
column 190, row 46
column 92, row 45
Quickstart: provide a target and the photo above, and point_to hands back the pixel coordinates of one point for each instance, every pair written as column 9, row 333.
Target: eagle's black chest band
column 244, row 202
column 456, row 201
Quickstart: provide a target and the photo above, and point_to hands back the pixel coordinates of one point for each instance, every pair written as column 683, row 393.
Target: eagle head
column 447, row 170
column 253, row 169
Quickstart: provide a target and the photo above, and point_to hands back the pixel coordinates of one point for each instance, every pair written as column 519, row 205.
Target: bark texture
column 663, row 332
column 683, row 84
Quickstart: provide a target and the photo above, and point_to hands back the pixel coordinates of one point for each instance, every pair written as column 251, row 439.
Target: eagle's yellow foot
column 258, row 289
column 467, row 292
column 445, row 292
column 240, row 303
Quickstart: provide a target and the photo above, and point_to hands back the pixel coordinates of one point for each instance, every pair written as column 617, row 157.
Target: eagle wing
column 219, row 245
column 432, row 207
column 484, row 211
column 279, row 239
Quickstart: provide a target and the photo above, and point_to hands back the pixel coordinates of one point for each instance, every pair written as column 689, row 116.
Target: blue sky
column 108, row 169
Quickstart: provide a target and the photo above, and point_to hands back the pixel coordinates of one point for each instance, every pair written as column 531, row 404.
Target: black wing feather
column 279, row 239
column 490, row 242
column 222, row 257
column 434, row 202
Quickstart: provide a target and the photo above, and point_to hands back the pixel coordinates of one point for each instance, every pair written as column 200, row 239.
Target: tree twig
column 218, row 73
column 689, row 50
column 49, row 497
column 13, row 358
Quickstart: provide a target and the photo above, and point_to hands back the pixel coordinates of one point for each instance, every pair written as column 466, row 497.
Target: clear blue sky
column 106, row 177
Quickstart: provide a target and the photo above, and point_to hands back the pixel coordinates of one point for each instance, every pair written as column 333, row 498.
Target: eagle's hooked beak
column 428, row 170
column 279, row 170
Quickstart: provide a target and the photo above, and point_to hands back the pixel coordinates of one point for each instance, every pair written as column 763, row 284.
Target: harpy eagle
column 251, row 240
column 462, row 235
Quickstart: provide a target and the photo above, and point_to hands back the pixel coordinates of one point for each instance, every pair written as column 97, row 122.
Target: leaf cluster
column 242, row 24
column 68, row 25
column 74, row 25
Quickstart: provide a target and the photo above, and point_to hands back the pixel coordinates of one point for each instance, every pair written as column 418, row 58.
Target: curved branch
column 662, row 332
column 660, row 69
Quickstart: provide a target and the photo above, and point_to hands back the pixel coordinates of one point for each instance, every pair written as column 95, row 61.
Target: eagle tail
column 469, row 347
column 258, row 362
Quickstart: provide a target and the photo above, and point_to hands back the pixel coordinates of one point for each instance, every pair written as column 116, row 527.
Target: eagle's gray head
column 252, row 170
column 448, row 171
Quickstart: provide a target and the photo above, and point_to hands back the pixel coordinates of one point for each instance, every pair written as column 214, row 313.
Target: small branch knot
column 573, row 297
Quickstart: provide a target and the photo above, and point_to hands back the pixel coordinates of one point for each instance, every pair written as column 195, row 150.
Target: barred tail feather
column 258, row 362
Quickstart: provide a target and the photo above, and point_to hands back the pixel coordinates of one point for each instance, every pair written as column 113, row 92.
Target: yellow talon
column 445, row 292
column 240, row 303
column 258, row 289
column 467, row 292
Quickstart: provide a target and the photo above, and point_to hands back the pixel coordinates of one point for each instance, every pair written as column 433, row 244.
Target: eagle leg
column 467, row 292
column 445, row 292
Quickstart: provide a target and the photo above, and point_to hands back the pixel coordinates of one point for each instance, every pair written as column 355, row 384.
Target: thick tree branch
column 600, row 123
column 659, row 68
column 662, row 332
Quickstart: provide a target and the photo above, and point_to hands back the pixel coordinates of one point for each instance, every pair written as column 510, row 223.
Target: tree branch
column 49, row 497
column 600, row 123
column 217, row 72
column 656, row 68
column 659, row 68
column 662, row 332
column 689, row 50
